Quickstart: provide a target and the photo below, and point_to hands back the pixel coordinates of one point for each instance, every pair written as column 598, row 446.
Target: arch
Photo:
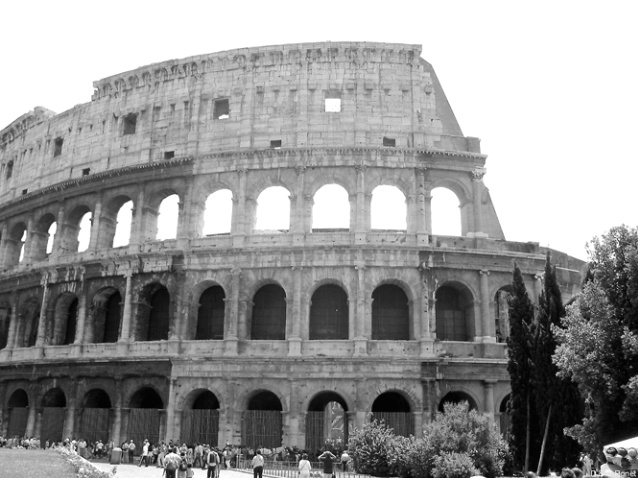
column 331, row 208
column 446, row 212
column 210, row 314
column 200, row 418
column 505, row 418
column 168, row 218
column 390, row 313
column 454, row 312
column 65, row 319
column 329, row 313
column 273, row 209
column 457, row 397
column 326, row 418
column 18, row 405
column 153, row 313
column 14, row 245
column 75, row 234
column 94, row 416
column 96, row 398
column 388, row 208
column 107, row 315
column 262, row 421
column 269, row 313
column 84, row 231
column 502, row 313
column 41, row 242
column 123, row 222
column 145, row 415
column 218, row 213
column 53, row 415
column 5, row 322
column 394, row 409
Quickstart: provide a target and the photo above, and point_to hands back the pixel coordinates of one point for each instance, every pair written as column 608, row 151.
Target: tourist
column 171, row 463
column 304, row 467
column 328, row 463
column 131, row 451
column 144, row 456
column 258, row 465
column 345, row 458
column 212, row 460
column 125, row 452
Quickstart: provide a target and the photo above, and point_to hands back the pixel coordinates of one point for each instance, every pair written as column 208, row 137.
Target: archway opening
column 331, row 208
column 210, row 315
column 123, row 220
column 5, row 322
column 273, row 210
column 269, row 313
column 53, row 414
column 262, row 423
column 145, row 416
column 394, row 410
column 218, row 213
column 18, row 413
column 505, row 419
column 94, row 416
column 388, row 209
column 457, row 397
column 153, row 314
column 390, row 313
column 446, row 213
column 200, row 422
column 326, row 419
column 502, row 318
column 329, row 313
column 167, row 218
column 454, row 313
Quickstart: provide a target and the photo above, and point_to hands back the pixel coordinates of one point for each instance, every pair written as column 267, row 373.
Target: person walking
column 304, row 467
column 171, row 463
column 212, row 461
column 258, row 465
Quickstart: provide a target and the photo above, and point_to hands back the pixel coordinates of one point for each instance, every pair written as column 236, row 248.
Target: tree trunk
column 540, row 460
column 527, row 436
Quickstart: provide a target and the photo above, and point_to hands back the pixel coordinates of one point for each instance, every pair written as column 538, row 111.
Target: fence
column 286, row 469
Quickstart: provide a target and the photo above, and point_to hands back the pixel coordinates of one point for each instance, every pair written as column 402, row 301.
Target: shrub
column 453, row 465
column 371, row 448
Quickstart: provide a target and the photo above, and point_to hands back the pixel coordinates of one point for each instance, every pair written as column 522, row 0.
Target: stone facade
column 247, row 326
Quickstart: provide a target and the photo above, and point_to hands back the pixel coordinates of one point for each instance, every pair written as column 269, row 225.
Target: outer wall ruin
column 245, row 327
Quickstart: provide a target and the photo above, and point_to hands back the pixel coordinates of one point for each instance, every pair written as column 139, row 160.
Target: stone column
column 232, row 318
column 360, row 339
column 422, row 215
column 96, row 219
column 29, row 242
column 488, row 386
column 185, row 220
column 426, row 341
column 477, row 192
column 239, row 229
column 69, row 419
column 359, row 221
column 82, row 315
column 3, row 243
column 59, row 243
column 34, row 421
column 13, row 324
column 361, row 413
column 294, row 341
column 538, row 286
column 418, row 424
column 486, row 322
column 41, row 338
column 137, row 220
column 171, row 430
column 128, row 308
column 297, row 212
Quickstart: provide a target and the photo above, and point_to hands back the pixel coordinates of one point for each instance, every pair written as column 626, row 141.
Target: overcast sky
column 550, row 87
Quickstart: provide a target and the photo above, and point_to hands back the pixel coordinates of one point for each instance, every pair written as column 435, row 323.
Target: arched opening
column 42, row 237
column 502, row 319
column 53, row 413
column 504, row 417
column 390, row 313
column 18, row 406
column 23, row 244
column 454, row 313
column 153, row 314
column 200, row 421
column 123, row 223
column 84, row 232
column 107, row 307
column 14, row 245
column 218, row 213
column 65, row 319
column 273, row 210
column 326, row 419
column 446, row 213
column 75, row 233
column 167, row 218
column 457, row 397
column 394, row 410
column 261, row 422
column 94, row 416
column 269, row 313
column 210, row 315
column 145, row 416
column 5, row 321
column 331, row 208
column 388, row 209
column 329, row 313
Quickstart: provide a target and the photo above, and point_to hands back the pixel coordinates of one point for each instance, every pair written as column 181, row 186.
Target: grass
column 34, row 464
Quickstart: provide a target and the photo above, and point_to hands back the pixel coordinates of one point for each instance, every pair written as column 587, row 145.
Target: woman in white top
column 304, row 467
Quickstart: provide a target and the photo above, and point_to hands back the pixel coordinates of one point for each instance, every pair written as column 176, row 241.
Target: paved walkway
column 133, row 471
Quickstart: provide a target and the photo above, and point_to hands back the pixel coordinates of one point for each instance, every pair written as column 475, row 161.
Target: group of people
column 27, row 443
column 328, row 459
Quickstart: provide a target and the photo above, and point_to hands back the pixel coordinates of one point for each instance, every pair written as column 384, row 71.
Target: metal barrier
column 287, row 469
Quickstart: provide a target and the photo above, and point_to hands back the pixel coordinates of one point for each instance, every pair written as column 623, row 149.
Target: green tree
column 556, row 397
column 519, row 366
column 597, row 341
column 371, row 448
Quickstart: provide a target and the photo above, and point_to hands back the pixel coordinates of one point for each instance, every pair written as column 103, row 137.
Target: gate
column 52, row 424
column 144, row 423
column 94, row 424
column 261, row 428
column 315, row 437
column 200, row 426
column 401, row 422
column 17, row 422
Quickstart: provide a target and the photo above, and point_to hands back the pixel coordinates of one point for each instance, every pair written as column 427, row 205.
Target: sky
column 550, row 87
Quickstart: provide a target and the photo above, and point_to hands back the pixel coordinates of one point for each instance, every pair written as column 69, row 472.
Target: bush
column 371, row 449
column 453, row 465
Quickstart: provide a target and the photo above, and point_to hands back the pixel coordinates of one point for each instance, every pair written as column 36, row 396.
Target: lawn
column 33, row 464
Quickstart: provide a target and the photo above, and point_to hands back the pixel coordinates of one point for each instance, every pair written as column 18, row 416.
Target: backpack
column 182, row 466
column 212, row 461
column 171, row 462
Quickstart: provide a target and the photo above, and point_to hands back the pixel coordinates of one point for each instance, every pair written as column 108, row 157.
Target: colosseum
column 146, row 293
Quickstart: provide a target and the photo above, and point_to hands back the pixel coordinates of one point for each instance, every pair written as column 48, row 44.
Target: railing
column 287, row 469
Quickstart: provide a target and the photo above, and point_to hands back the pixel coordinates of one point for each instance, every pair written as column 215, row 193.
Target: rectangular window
column 221, row 109
column 389, row 142
column 333, row 105
column 24, row 192
column 130, row 123
column 86, row 171
column 169, row 154
column 57, row 147
column 275, row 144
